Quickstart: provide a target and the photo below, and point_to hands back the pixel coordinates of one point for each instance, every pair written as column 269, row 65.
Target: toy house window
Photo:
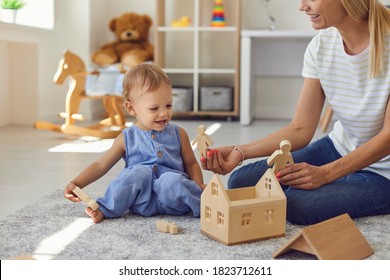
column 269, row 216
column 268, row 185
column 214, row 189
column 220, row 218
column 207, row 212
column 246, row 219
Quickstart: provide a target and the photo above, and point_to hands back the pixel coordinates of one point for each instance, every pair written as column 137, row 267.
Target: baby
column 161, row 174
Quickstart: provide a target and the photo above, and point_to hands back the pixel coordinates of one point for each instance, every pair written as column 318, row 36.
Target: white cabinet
column 200, row 55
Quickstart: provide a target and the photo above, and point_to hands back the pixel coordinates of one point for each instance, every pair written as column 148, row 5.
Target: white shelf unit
column 200, row 55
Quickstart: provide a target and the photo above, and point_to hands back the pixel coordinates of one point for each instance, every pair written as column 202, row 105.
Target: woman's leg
column 177, row 195
column 359, row 194
column 248, row 175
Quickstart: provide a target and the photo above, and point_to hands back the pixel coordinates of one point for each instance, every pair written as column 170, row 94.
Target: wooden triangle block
column 334, row 239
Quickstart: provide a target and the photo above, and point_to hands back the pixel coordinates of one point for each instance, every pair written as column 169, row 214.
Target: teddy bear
column 131, row 46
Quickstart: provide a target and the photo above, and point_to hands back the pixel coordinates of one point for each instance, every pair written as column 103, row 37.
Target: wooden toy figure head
column 285, row 146
column 280, row 158
column 201, row 129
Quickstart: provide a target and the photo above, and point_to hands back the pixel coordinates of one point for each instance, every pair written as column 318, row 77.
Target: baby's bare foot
column 96, row 216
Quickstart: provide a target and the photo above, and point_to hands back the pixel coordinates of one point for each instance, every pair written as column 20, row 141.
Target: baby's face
column 153, row 109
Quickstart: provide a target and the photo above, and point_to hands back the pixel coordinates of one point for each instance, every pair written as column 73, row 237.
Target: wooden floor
column 34, row 163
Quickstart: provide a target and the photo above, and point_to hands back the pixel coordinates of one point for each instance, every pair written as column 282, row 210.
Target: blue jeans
column 359, row 194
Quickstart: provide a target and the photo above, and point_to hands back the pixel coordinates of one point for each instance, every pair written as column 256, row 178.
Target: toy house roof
column 216, row 180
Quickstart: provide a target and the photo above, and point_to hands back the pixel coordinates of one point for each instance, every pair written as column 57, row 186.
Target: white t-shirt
column 358, row 102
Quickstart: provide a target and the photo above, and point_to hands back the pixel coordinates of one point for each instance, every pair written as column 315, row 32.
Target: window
column 220, row 218
column 269, row 216
column 214, row 188
column 208, row 213
column 246, row 219
column 36, row 13
column 268, row 185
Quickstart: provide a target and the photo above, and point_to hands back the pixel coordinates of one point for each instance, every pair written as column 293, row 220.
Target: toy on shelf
column 73, row 67
column 86, row 198
column 131, row 45
column 280, row 158
column 165, row 226
column 182, row 22
column 203, row 141
column 334, row 239
column 218, row 19
column 242, row 215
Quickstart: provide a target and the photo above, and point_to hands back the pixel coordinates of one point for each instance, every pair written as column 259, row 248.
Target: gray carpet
column 55, row 228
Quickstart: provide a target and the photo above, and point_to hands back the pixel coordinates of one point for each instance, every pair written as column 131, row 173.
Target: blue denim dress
column 154, row 180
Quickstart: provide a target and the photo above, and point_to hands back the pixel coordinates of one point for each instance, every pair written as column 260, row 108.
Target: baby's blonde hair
column 143, row 78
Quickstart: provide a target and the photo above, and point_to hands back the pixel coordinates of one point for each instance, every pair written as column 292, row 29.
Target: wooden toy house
column 242, row 215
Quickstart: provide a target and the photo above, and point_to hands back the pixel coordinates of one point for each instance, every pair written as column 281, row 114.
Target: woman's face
column 324, row 13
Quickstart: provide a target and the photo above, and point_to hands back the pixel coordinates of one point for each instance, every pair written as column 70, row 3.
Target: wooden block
column 165, row 226
column 173, row 229
column 335, row 239
column 84, row 197
column 162, row 226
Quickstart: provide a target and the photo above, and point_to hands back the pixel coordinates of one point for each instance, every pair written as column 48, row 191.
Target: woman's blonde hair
column 378, row 17
column 143, row 78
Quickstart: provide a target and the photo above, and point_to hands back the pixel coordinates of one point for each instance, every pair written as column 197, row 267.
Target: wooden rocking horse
column 73, row 67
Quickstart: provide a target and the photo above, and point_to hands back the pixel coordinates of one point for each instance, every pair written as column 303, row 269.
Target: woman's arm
column 301, row 129
column 309, row 177
column 299, row 132
column 372, row 151
column 191, row 165
column 305, row 176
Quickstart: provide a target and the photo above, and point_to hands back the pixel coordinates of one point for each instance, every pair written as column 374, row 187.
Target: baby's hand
column 69, row 194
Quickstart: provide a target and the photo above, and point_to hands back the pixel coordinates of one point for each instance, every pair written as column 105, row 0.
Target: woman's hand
column 302, row 176
column 69, row 194
column 222, row 160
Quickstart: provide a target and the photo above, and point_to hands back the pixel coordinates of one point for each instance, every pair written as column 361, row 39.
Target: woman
column 348, row 171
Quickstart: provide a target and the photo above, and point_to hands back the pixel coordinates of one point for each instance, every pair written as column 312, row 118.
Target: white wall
column 29, row 59
column 29, row 56
column 21, row 64
column 4, row 85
